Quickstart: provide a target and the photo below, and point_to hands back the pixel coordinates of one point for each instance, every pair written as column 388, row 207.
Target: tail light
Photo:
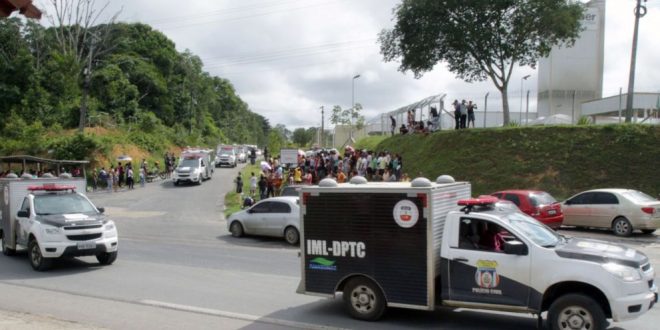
column 648, row 210
column 536, row 212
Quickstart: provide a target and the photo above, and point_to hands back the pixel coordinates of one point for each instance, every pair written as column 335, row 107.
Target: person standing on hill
column 253, row 184
column 393, row 126
column 239, row 184
column 470, row 112
column 463, row 110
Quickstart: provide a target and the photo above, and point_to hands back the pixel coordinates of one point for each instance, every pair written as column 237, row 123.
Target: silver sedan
column 277, row 217
column 622, row 210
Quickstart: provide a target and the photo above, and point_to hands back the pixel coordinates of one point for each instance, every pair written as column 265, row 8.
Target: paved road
column 178, row 267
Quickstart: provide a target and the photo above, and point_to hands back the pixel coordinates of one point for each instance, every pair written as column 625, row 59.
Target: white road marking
column 237, row 316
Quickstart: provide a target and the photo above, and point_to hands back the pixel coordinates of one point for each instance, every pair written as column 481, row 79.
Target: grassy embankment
column 562, row 160
column 233, row 201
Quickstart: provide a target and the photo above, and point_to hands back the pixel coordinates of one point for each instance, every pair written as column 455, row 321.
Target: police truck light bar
column 51, row 187
column 479, row 201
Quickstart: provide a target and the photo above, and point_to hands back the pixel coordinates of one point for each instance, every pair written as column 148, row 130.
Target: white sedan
column 622, row 210
column 276, row 216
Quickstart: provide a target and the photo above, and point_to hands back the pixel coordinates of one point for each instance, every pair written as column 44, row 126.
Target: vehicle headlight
column 110, row 226
column 625, row 273
column 50, row 230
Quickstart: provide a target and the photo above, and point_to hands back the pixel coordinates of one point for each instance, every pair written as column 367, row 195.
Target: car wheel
column 622, row 227
column 106, row 258
column 5, row 250
column 236, row 229
column 291, row 235
column 37, row 260
column 648, row 231
column 364, row 299
column 576, row 311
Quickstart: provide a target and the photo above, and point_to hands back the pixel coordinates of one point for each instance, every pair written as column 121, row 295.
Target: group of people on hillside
column 417, row 126
column 464, row 114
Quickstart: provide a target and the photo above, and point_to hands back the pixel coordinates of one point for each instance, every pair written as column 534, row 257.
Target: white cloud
column 286, row 58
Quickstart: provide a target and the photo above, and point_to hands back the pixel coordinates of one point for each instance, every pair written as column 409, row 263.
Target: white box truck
column 423, row 244
column 52, row 219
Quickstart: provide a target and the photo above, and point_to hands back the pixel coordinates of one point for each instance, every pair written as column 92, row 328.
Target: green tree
column 341, row 116
column 302, row 137
column 479, row 40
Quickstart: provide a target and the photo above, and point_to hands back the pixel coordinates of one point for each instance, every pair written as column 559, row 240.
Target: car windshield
column 62, row 204
column 189, row 162
column 534, row 230
column 541, row 198
column 639, row 197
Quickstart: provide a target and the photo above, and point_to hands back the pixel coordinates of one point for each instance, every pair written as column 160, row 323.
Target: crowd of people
column 374, row 166
column 115, row 178
column 417, row 126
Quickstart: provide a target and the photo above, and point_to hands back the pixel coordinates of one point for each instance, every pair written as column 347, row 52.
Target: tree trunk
column 505, row 105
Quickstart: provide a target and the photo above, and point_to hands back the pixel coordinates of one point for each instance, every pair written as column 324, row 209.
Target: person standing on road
column 143, row 174
column 115, row 179
column 129, row 176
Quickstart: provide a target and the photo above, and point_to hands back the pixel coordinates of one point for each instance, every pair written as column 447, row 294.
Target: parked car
column 276, row 216
column 622, row 210
column 290, row 191
column 538, row 204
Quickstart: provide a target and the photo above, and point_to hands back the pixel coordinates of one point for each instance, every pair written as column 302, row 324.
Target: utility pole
column 640, row 11
column 322, row 127
column 485, row 108
column 527, row 110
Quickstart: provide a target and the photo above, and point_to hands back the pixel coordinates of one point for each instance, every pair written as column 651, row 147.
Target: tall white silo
column 570, row 76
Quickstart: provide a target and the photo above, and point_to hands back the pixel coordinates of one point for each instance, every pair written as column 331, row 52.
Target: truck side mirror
column 23, row 214
column 101, row 209
column 515, row 247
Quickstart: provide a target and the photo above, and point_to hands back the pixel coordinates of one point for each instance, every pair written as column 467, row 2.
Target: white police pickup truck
column 422, row 244
column 52, row 220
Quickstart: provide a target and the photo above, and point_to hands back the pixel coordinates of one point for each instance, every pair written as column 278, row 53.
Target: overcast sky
column 287, row 58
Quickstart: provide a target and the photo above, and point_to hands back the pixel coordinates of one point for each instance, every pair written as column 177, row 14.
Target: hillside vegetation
column 562, row 160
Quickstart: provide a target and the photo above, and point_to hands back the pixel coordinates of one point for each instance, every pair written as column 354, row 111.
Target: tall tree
column 80, row 35
column 479, row 40
column 302, row 137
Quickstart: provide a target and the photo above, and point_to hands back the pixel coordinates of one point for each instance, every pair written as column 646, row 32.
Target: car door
column 23, row 222
column 605, row 209
column 255, row 219
column 276, row 219
column 577, row 210
column 481, row 275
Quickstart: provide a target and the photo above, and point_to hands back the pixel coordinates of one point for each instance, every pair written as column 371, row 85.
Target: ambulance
column 424, row 244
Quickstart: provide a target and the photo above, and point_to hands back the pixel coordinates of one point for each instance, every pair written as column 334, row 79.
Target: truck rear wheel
column 37, row 260
column 576, row 311
column 5, row 250
column 364, row 299
column 106, row 258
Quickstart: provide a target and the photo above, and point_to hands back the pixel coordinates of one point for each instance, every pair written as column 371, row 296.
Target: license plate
column 552, row 212
column 86, row 245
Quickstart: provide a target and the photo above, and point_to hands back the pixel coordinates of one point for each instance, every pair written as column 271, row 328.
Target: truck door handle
column 461, row 259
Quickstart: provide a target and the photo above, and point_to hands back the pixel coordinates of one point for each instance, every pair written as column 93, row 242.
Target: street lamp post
column 640, row 11
column 352, row 106
column 521, row 97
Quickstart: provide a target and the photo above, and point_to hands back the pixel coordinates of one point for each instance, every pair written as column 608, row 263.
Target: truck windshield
column 534, row 230
column 62, row 204
column 189, row 162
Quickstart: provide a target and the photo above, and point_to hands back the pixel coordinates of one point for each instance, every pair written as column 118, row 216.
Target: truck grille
column 82, row 227
column 85, row 237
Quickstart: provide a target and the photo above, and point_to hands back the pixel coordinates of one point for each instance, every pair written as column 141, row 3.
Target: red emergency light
column 479, row 201
column 51, row 187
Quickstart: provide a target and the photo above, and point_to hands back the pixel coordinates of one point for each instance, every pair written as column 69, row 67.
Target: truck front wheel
column 106, row 258
column 364, row 299
column 576, row 311
column 37, row 260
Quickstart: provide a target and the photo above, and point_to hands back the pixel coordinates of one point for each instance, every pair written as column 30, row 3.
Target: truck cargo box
column 390, row 232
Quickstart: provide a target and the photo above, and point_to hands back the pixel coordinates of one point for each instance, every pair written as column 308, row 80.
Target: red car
column 538, row 204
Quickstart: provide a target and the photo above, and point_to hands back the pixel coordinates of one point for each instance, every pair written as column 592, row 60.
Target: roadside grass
column 233, row 201
column 562, row 160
